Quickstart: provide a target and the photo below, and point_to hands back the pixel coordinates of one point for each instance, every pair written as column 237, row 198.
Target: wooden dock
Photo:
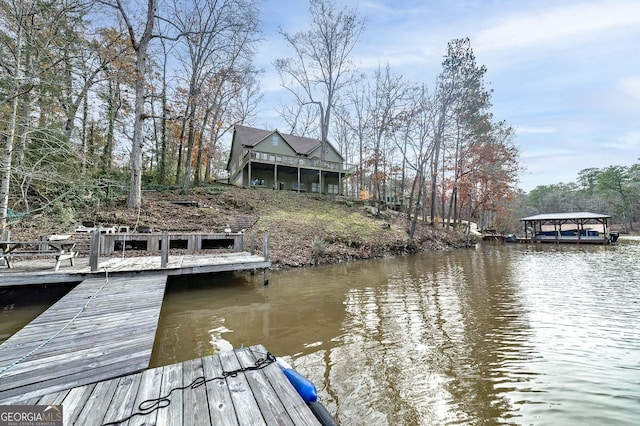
column 103, row 328
column 30, row 272
column 243, row 387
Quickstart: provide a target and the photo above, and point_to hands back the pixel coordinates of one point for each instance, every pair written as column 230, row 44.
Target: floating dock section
column 242, row 387
column 103, row 328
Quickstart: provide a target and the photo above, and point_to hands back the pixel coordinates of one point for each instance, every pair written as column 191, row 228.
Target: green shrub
column 319, row 247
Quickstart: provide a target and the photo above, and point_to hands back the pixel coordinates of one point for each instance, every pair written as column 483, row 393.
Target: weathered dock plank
column 232, row 388
column 124, row 398
column 241, row 394
column 270, row 406
column 103, row 328
column 171, row 379
column 195, row 409
column 97, row 404
column 148, row 391
column 221, row 408
column 295, row 406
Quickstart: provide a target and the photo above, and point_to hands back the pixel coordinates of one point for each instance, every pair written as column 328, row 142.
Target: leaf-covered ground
column 303, row 229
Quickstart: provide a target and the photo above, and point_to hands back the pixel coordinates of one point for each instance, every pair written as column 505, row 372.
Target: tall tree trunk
column 360, row 163
column 107, row 156
column 134, row 200
column 416, row 213
column 86, row 149
column 198, row 171
column 443, row 195
column 189, row 153
column 183, row 129
column 434, row 174
column 162, row 172
column 6, row 166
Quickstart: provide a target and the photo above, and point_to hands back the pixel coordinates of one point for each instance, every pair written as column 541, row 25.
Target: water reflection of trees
column 434, row 341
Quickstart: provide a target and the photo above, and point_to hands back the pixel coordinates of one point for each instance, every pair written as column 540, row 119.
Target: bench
column 57, row 248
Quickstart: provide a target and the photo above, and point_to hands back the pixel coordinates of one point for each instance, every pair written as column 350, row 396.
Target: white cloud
column 559, row 26
column 525, row 130
column 630, row 86
column 629, row 141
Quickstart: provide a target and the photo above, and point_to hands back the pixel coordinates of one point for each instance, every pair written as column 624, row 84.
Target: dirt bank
column 304, row 229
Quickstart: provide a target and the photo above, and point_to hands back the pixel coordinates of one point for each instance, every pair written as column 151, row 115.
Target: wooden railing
column 292, row 161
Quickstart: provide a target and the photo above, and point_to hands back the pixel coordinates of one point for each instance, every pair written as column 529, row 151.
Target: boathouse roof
column 565, row 216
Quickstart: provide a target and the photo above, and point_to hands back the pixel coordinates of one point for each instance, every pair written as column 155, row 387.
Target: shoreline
column 305, row 229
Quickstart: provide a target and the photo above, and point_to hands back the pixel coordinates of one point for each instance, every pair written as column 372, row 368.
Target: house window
column 333, row 189
column 275, row 140
column 315, row 187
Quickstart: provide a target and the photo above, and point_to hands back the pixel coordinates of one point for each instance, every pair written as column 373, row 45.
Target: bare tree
column 386, row 103
column 140, row 41
column 231, row 100
column 218, row 36
column 320, row 67
column 417, row 147
column 358, row 119
column 117, row 73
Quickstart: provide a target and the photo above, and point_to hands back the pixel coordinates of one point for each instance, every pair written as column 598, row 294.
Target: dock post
column 94, row 249
column 43, row 244
column 6, row 234
column 164, row 249
column 265, row 251
column 253, row 243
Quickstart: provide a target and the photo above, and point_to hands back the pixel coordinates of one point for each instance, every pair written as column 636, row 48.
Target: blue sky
column 565, row 74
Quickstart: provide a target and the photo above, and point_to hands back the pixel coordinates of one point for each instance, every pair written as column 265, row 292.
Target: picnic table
column 57, row 246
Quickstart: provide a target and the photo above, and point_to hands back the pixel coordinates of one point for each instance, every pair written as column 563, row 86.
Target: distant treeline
column 613, row 190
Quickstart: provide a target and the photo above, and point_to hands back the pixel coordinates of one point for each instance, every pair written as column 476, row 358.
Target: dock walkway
column 103, row 328
column 243, row 387
column 37, row 272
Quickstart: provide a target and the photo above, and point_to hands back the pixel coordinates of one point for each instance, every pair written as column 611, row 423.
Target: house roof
column 565, row 216
column 250, row 136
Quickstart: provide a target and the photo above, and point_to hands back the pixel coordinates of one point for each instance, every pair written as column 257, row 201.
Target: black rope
column 153, row 404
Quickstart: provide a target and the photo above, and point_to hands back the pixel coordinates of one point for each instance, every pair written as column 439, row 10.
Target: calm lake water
column 500, row 334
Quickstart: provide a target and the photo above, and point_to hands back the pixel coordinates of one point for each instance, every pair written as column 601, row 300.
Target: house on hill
column 274, row 160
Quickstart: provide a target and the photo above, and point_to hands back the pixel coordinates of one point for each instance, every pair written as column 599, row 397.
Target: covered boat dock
column 576, row 228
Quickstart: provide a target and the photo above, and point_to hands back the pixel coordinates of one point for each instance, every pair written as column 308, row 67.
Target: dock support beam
column 265, row 250
column 164, row 249
column 94, row 249
column 5, row 237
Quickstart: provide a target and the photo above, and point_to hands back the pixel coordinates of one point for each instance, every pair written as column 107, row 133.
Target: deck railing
column 293, row 161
